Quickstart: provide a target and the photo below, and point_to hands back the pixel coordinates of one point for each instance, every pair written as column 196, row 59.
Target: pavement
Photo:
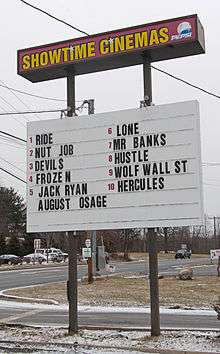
column 46, row 274
column 43, row 315
column 130, row 318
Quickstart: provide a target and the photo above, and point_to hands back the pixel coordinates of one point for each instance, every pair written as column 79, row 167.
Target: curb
column 31, row 300
column 28, row 300
column 31, row 267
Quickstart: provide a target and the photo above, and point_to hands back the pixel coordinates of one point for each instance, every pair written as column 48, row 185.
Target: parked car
column 35, row 257
column 54, row 254
column 183, row 253
column 59, row 255
column 10, row 259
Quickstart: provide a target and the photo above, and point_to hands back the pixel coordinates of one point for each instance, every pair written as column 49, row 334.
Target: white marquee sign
column 125, row 169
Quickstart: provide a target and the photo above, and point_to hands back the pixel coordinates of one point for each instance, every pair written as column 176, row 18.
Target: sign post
column 91, row 110
column 72, row 237
column 153, row 259
column 89, row 244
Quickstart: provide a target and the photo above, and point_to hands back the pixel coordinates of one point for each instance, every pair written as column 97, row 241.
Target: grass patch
column 124, row 291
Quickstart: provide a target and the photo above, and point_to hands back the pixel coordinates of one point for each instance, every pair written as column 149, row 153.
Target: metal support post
column 47, row 239
column 147, row 82
column 154, row 286
column 71, row 101
column 90, row 272
column 72, row 283
column 93, row 249
column 72, row 237
column 92, row 267
column 153, row 259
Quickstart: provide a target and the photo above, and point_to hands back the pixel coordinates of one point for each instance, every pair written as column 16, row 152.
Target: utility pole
column 153, row 258
column 72, row 237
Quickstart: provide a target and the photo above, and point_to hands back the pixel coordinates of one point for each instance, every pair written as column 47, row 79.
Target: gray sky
column 23, row 27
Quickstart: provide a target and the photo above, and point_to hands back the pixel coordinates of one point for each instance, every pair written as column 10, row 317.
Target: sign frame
column 38, row 57
column 85, row 219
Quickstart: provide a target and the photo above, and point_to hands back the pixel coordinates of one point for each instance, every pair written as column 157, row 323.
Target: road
column 43, row 315
column 45, row 274
column 58, row 316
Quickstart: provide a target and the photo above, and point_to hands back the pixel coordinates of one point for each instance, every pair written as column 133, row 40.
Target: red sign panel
column 158, row 41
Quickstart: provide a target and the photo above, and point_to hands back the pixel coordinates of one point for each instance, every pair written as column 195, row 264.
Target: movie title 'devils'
column 125, row 47
column 128, row 169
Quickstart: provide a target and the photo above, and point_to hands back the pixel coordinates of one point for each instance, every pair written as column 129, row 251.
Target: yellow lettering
column 103, row 46
column 34, row 60
column 111, row 45
column 164, row 36
column 91, row 49
column 54, row 56
column 26, row 62
column 153, row 37
column 71, row 53
column 65, row 53
column 43, row 58
column 119, row 43
column 80, row 51
column 140, row 40
column 129, row 40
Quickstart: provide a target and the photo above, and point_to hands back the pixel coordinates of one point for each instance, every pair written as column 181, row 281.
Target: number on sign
column 110, row 144
column 30, row 166
column 110, row 172
column 30, row 139
column 111, row 186
column 109, row 130
column 110, row 158
column 31, row 152
column 31, row 191
column 30, row 178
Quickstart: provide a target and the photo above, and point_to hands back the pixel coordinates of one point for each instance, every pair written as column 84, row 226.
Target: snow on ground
column 108, row 341
column 88, row 308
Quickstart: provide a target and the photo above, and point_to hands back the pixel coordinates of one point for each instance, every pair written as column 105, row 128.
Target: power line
column 14, row 146
column 186, row 82
column 18, row 98
column 10, row 105
column 37, row 96
column 55, row 18
column 13, row 136
column 13, row 165
column 13, row 175
column 62, row 110
column 33, row 95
